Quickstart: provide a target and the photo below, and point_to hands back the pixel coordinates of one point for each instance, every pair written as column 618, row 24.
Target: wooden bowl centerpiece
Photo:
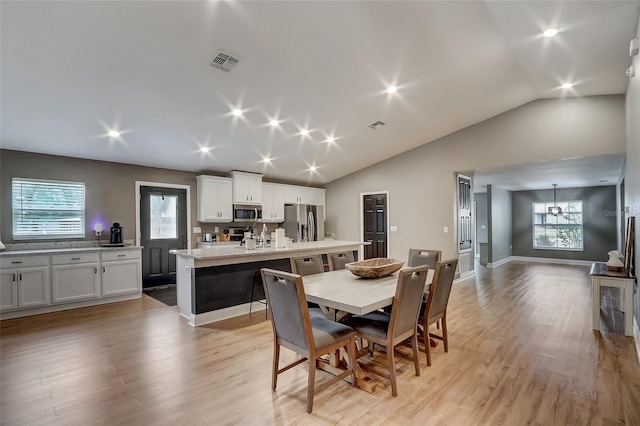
column 374, row 268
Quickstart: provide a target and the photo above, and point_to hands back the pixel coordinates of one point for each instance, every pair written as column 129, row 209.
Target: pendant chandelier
column 555, row 210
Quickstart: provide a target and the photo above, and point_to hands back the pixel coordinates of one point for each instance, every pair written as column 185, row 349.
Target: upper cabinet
column 247, row 188
column 304, row 195
column 272, row 203
column 215, row 203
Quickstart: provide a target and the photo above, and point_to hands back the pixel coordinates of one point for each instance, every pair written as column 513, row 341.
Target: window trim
column 52, row 236
column 533, row 226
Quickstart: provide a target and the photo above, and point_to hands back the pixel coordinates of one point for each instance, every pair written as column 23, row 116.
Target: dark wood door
column 375, row 225
column 163, row 227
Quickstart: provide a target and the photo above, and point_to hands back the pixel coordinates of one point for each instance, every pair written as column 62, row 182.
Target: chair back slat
column 338, row 260
column 441, row 286
column 408, row 299
column 288, row 306
column 419, row 257
column 307, row 265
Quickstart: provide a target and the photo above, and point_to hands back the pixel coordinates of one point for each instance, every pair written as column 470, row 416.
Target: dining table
column 342, row 291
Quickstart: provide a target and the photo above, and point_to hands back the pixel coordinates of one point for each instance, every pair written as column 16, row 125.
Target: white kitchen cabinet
column 297, row 194
column 24, row 282
column 272, row 203
column 247, row 188
column 215, row 199
column 74, row 277
column 121, row 272
column 317, row 197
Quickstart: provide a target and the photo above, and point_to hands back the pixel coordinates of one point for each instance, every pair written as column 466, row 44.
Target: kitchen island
column 216, row 283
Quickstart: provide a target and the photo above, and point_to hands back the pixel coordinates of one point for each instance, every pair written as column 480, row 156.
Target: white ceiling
column 600, row 170
column 71, row 71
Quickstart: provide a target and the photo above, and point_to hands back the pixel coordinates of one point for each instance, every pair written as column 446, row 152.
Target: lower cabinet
column 74, row 277
column 24, row 282
column 121, row 272
column 56, row 279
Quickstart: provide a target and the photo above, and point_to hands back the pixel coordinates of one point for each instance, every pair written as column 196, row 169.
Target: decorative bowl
column 374, row 268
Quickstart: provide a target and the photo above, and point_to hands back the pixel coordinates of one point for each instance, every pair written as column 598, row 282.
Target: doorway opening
column 374, row 224
column 162, row 222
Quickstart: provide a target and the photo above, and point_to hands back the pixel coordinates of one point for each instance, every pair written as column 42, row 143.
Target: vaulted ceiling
column 73, row 71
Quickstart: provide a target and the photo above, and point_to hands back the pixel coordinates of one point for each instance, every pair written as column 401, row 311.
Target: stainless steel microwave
column 244, row 213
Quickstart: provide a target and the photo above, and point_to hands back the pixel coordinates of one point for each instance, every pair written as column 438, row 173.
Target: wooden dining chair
column 338, row 260
column 419, row 257
column 434, row 310
column 311, row 337
column 390, row 330
column 307, row 265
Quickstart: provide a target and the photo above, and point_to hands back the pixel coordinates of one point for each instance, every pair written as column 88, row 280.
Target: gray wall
column 632, row 179
column 499, row 218
column 421, row 181
column 482, row 235
column 599, row 222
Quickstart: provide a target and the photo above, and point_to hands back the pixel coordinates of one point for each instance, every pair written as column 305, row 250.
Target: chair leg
column 416, row 361
column 311, row 384
column 445, row 336
column 276, row 360
column 427, row 344
column 392, row 370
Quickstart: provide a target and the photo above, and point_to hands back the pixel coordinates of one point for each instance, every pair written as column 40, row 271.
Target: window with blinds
column 47, row 209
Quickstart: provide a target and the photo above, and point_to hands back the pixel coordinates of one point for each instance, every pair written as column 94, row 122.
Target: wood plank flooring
column 521, row 352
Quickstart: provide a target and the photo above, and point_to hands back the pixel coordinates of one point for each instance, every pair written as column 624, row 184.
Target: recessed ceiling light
column 114, row 133
column 313, row 168
column 331, row 139
column 266, row 160
column 274, row 123
column 567, row 85
column 304, row 132
column 392, row 89
column 237, row 112
column 550, row 32
column 204, row 149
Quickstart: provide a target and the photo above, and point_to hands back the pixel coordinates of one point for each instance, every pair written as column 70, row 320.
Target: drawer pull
column 75, row 258
column 121, row 255
column 16, row 262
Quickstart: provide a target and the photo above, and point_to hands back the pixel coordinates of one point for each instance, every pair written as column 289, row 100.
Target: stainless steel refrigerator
column 303, row 222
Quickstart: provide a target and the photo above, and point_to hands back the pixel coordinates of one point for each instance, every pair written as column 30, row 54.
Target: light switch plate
column 394, row 228
column 446, row 229
column 197, row 230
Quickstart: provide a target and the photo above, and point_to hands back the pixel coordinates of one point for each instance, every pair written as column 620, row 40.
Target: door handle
column 14, row 278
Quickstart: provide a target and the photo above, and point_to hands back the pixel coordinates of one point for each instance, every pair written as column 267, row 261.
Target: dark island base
column 219, row 287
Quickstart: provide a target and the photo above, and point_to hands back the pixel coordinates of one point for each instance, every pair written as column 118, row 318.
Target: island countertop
column 230, row 254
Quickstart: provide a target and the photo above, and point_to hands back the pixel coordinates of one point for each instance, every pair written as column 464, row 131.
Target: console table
column 602, row 276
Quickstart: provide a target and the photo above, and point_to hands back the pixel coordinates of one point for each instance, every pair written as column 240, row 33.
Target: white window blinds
column 47, row 209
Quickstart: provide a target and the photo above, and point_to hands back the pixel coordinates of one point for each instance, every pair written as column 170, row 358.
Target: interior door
column 375, row 225
column 163, row 227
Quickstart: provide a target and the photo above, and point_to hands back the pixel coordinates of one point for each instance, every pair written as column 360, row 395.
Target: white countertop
column 63, row 250
column 229, row 251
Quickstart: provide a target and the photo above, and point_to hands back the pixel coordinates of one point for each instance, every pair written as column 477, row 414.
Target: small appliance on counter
column 117, row 233
column 209, row 238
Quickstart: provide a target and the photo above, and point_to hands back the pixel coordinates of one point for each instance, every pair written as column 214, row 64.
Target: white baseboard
column 540, row 260
column 225, row 313
column 465, row 276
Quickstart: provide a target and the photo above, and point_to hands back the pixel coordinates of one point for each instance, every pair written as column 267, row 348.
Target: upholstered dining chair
column 311, row 337
column 434, row 310
column 392, row 329
column 338, row 260
column 418, row 257
column 307, row 265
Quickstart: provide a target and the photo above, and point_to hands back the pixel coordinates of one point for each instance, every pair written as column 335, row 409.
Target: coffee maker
column 116, row 233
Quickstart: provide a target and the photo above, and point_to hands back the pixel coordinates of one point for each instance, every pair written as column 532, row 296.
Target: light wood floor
column 522, row 352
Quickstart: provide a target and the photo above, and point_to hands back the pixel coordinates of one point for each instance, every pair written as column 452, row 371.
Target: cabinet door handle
column 104, row 270
column 95, row 269
column 20, row 276
column 16, row 262
column 75, row 258
column 14, row 278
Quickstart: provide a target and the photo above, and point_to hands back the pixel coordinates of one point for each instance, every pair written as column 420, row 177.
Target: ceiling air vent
column 224, row 61
column 376, row 124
